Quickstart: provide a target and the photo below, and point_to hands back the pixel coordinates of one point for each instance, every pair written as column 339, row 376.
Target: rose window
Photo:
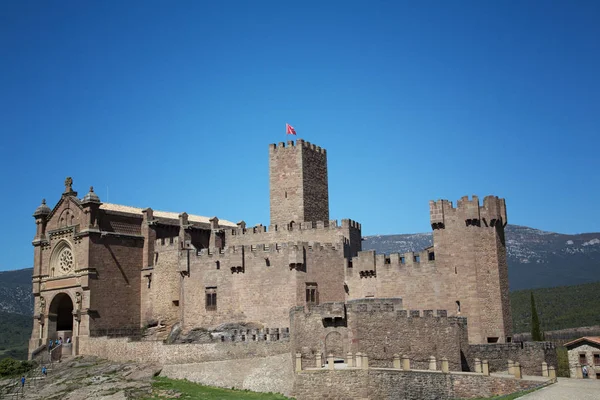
column 65, row 261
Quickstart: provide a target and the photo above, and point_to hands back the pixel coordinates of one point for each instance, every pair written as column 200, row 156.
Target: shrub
column 10, row 367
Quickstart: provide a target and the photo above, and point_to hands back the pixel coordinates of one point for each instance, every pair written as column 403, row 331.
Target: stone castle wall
column 380, row 328
column 465, row 272
column 258, row 283
column 380, row 383
column 530, row 355
column 124, row 349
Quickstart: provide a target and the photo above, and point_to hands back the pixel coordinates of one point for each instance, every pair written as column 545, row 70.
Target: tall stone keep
column 469, row 243
column 298, row 183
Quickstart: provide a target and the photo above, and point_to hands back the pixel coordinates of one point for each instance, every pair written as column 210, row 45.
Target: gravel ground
column 568, row 389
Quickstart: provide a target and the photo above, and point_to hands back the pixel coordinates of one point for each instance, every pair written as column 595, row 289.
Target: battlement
column 300, row 226
column 271, row 248
column 369, row 260
column 375, row 305
column 468, row 211
column 167, row 241
column 300, row 143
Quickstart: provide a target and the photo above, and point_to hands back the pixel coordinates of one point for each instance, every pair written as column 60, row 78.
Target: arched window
column 62, row 261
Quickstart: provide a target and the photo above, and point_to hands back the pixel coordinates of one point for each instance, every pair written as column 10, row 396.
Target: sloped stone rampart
column 260, row 374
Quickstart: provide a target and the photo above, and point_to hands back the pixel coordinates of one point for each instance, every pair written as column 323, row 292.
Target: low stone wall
column 383, row 383
column 530, row 355
column 123, row 349
column 260, row 374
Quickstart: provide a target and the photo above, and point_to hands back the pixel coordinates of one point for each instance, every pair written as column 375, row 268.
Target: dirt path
column 568, row 389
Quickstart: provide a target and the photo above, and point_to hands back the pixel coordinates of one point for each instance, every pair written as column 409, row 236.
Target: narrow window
column 582, row 359
column 211, row 298
column 171, row 240
column 431, row 256
column 402, row 260
column 162, row 241
column 596, row 359
column 267, row 262
column 218, row 264
column 457, row 307
column 312, row 295
column 455, row 270
column 417, row 259
column 286, row 194
column 349, row 263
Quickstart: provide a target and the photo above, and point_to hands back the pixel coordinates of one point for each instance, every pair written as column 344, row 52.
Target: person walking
column 23, row 381
column 44, row 371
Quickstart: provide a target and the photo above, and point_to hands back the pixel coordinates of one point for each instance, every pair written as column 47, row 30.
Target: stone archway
column 334, row 345
column 60, row 317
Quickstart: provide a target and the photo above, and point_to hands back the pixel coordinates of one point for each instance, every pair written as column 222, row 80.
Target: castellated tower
column 469, row 245
column 298, row 183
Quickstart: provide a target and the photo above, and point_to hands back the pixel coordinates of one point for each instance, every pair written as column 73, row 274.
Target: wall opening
column 492, row 340
column 60, row 317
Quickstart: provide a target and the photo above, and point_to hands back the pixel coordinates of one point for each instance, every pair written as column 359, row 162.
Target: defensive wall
column 258, row 283
column 330, row 231
column 530, row 355
column 380, row 328
column 387, row 383
column 125, row 349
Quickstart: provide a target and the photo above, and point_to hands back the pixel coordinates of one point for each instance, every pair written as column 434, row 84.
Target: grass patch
column 165, row 388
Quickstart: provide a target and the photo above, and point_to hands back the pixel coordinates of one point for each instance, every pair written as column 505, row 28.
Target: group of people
column 55, row 343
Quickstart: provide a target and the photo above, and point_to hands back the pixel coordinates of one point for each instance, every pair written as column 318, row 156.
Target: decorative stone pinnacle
column 43, row 201
column 92, row 189
column 68, row 184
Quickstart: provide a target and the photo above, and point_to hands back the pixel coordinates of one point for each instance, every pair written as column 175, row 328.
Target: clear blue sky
column 172, row 105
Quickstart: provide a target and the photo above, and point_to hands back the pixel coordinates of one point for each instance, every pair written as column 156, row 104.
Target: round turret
column 91, row 197
column 43, row 210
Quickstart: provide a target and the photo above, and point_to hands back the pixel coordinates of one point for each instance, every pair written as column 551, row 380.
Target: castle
column 105, row 270
column 100, row 267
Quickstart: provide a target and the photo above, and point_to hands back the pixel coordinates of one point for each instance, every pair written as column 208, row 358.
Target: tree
column 536, row 332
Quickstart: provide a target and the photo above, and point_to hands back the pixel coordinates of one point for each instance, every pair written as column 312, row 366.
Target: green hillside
column 558, row 308
column 16, row 330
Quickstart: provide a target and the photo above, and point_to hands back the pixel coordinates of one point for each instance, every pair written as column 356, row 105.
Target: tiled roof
column 162, row 214
column 593, row 339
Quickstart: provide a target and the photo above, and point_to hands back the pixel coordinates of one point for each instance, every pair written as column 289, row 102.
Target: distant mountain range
column 536, row 259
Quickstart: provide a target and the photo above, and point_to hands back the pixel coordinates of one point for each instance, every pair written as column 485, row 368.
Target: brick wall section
column 261, row 292
column 379, row 328
column 298, row 183
column 402, row 385
column 123, row 349
column 530, row 355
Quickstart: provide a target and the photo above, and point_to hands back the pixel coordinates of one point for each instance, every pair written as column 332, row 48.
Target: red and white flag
column 289, row 130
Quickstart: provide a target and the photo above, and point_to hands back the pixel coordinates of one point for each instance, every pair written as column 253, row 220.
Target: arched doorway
column 60, row 317
column 334, row 345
